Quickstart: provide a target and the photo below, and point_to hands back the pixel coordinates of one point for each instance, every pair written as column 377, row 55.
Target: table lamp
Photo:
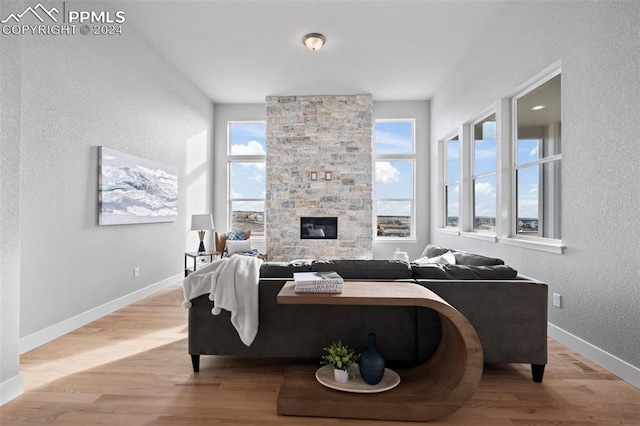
column 200, row 223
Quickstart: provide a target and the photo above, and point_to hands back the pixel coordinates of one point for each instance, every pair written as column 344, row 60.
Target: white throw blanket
column 232, row 285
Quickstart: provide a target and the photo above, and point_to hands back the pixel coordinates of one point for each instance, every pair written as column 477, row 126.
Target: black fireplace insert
column 319, row 228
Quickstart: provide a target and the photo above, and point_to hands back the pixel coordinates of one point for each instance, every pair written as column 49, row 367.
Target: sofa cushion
column 463, row 272
column 462, row 257
column 365, row 269
column 429, row 271
column 238, row 246
column 470, row 259
column 282, row 269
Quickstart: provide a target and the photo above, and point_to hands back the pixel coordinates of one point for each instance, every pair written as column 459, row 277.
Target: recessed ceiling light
column 313, row 41
column 537, row 107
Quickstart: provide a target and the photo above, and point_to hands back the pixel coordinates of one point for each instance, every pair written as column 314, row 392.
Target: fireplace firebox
column 319, row 228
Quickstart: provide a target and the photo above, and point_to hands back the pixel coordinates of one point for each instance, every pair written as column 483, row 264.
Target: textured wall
column 598, row 44
column 80, row 93
column 10, row 95
column 318, row 134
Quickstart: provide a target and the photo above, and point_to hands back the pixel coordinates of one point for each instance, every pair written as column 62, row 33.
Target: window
column 537, row 161
column 451, row 182
column 483, row 174
column 394, row 151
column 247, row 156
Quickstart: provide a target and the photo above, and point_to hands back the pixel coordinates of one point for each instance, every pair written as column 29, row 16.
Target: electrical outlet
column 136, row 272
column 557, row 300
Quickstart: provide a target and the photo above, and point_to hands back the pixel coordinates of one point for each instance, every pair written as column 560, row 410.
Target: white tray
column 390, row 380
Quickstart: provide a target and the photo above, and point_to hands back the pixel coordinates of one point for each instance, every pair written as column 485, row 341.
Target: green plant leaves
column 339, row 356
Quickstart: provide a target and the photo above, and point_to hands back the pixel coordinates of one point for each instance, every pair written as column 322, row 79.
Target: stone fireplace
column 319, row 164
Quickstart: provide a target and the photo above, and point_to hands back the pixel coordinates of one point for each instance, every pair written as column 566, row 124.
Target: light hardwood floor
column 132, row 368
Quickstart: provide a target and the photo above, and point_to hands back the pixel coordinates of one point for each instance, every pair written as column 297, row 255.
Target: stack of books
column 318, row 282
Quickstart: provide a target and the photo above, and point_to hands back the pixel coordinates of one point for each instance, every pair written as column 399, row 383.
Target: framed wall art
column 135, row 190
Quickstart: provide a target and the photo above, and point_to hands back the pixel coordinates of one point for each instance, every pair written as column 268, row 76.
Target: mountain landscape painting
column 135, row 190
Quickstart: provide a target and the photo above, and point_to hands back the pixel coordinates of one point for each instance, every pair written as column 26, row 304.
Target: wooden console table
column 430, row 391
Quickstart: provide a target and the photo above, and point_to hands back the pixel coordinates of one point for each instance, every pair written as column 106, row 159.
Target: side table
column 195, row 255
column 430, row 391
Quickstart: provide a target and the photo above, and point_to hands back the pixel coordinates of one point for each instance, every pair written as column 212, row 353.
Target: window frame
column 445, row 183
column 411, row 158
column 553, row 245
column 240, row 158
column 470, row 168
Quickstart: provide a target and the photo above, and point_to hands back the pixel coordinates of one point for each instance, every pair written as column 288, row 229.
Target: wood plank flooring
column 132, row 368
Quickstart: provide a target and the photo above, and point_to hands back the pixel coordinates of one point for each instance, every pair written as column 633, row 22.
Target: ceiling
column 240, row 51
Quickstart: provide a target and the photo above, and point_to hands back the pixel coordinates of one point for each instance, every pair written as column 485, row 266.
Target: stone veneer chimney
column 319, row 134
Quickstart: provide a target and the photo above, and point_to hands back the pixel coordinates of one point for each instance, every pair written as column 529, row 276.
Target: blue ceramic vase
column 371, row 363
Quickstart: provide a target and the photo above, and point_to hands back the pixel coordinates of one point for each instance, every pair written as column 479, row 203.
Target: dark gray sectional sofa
column 507, row 310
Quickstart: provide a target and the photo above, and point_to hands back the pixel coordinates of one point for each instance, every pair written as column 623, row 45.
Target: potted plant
column 341, row 357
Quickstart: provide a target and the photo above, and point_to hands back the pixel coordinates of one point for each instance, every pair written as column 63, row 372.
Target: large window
column 451, row 188
column 537, row 161
column 483, row 174
column 247, row 166
column 394, row 151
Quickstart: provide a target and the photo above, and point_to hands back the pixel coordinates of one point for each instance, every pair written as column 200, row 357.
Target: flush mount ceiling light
column 537, row 108
column 313, row 41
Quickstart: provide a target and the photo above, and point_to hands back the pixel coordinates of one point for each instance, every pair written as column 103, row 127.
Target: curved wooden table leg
column 430, row 391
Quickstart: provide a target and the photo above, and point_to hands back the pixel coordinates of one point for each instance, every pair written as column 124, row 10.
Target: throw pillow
column 238, row 246
column 444, row 259
column 431, row 251
column 236, row 235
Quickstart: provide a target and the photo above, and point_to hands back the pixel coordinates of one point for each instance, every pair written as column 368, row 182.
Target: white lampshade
column 201, row 222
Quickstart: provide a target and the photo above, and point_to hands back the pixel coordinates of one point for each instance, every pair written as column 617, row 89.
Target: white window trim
column 443, row 183
column 511, row 237
column 242, row 159
column 468, row 145
column 506, row 134
column 480, row 235
column 229, row 123
column 448, row 231
column 535, row 243
column 395, row 157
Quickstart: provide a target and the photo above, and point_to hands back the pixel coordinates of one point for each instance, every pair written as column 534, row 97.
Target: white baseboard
column 48, row 334
column 615, row 365
column 11, row 388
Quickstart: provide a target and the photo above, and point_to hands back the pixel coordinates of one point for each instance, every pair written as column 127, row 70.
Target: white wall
column 10, row 56
column 79, row 93
column 598, row 45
